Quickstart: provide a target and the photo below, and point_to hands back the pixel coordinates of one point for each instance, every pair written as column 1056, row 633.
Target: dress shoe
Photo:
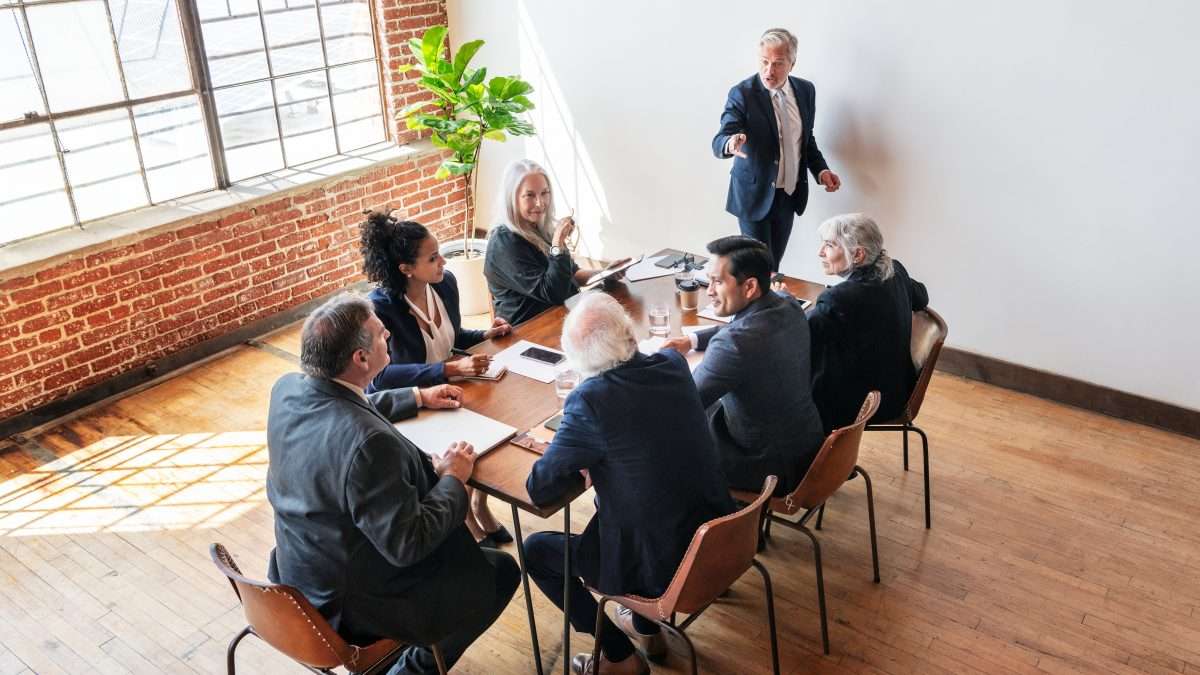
column 501, row 535
column 652, row 644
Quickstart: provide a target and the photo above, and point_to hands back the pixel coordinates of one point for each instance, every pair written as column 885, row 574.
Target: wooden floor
column 1062, row 542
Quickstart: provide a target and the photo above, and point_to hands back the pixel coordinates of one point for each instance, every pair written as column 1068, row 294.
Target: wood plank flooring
column 1062, row 542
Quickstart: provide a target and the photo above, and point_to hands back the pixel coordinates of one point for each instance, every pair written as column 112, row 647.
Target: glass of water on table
column 565, row 380
column 659, row 318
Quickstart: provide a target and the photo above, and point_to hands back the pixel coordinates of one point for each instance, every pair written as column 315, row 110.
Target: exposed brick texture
column 72, row 322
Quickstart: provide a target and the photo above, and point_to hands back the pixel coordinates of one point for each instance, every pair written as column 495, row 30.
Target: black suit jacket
column 407, row 348
column 861, row 336
column 523, row 281
column 362, row 521
column 748, row 110
column 639, row 430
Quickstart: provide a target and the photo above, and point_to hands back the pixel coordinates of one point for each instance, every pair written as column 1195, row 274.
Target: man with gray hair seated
column 634, row 428
column 366, row 526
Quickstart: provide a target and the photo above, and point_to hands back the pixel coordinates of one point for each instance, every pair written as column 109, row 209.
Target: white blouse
column 439, row 339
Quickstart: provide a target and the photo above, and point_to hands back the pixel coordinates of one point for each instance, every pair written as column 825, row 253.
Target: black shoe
column 500, row 536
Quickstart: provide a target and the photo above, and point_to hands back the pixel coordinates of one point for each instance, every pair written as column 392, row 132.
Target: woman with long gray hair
column 528, row 265
column 861, row 328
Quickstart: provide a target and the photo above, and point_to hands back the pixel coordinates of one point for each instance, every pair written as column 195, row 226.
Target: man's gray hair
column 851, row 231
column 598, row 335
column 781, row 36
column 515, row 174
column 333, row 332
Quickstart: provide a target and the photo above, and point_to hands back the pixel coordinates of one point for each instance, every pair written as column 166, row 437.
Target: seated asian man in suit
column 366, row 526
column 754, row 378
column 634, row 428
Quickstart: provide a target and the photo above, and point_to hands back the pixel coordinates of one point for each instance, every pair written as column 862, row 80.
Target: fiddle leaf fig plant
column 466, row 108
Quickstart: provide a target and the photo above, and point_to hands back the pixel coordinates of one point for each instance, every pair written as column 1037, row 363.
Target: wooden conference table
column 525, row 403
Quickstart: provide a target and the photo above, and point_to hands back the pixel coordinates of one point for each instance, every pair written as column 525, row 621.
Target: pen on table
column 460, row 352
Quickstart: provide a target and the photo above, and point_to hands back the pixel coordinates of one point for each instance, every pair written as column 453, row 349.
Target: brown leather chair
column 282, row 617
column 837, row 459
column 928, row 335
column 720, row 553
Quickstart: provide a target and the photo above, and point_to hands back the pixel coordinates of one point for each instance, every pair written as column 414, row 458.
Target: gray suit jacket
column 363, row 524
column 757, row 368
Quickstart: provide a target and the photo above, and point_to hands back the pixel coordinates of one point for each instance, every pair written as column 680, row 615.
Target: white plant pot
column 473, row 296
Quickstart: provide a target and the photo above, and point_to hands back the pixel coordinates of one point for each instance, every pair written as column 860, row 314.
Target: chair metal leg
column 537, row 652
column 230, row 665
column 871, row 519
column 820, row 589
column 820, row 516
column 925, row 458
column 687, row 641
column 439, row 659
column 566, row 608
column 905, row 447
column 770, row 614
column 599, row 627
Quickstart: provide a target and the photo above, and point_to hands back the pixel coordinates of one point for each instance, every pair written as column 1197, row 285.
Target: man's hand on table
column 459, row 461
column 442, row 396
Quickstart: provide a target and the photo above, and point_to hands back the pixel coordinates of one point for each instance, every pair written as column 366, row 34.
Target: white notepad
column 434, row 430
column 534, row 370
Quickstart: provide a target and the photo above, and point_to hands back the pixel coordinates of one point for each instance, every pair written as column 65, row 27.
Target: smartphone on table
column 542, row 355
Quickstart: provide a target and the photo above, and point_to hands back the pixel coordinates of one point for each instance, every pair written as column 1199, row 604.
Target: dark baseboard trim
column 1078, row 393
column 149, row 372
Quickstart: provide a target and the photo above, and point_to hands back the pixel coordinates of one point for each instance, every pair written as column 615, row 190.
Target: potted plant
column 465, row 109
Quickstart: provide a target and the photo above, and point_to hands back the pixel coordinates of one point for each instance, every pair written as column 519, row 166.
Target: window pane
column 234, row 48
column 18, row 89
column 357, row 106
column 151, row 46
column 34, row 199
column 74, row 49
column 304, row 114
column 102, row 163
column 294, row 40
column 174, row 148
column 348, row 34
column 248, row 130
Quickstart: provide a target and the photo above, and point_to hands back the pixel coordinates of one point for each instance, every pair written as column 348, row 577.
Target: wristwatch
column 556, row 250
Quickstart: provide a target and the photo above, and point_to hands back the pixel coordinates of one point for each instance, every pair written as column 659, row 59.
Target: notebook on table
column 434, row 430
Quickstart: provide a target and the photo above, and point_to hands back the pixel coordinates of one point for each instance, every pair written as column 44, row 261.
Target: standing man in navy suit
column 767, row 127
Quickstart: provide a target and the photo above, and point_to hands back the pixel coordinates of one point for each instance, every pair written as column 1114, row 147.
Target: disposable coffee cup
column 689, row 294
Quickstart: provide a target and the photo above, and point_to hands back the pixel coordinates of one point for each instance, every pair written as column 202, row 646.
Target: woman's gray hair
column 516, row 173
column 332, row 333
column 598, row 335
column 851, row 231
column 781, row 36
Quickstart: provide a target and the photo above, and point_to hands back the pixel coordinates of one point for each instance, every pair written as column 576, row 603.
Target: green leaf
column 442, row 173
column 497, row 85
column 476, row 76
column 415, row 108
column 431, row 44
column 515, row 87
column 463, row 57
column 496, row 135
column 525, row 103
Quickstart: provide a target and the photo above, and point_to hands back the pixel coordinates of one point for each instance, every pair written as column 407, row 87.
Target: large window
column 112, row 105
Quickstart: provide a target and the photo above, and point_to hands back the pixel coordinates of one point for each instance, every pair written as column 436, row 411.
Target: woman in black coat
column 862, row 327
column 417, row 301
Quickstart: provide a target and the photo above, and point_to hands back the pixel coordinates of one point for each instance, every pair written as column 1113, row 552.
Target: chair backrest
column 720, row 552
column 833, row 463
column 285, row 619
column 928, row 335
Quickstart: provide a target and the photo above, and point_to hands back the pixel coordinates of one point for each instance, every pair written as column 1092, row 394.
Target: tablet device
column 542, row 355
column 607, row 272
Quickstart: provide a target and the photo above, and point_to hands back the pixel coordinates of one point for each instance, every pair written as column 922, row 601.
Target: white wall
column 1032, row 162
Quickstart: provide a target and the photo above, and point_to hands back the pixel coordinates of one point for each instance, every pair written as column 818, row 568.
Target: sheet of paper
column 434, row 430
column 708, row 313
column 651, row 345
column 646, row 269
column 534, row 370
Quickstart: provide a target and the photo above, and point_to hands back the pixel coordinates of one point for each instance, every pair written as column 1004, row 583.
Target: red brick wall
column 74, row 321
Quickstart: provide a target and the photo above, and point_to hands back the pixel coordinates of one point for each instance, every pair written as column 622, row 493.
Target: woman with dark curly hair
column 417, row 301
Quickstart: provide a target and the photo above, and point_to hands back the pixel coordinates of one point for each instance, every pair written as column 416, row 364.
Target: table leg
column 537, row 652
column 567, row 591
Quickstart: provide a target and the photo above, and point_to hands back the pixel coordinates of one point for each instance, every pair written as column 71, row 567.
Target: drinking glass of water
column 660, row 319
column 565, row 380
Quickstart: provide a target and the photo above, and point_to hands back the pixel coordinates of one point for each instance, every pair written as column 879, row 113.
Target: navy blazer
column 748, row 110
column 407, row 348
column 361, row 518
column 758, row 368
column 861, row 336
column 639, row 430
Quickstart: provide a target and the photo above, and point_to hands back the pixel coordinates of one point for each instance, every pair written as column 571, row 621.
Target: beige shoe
column 582, row 665
column 653, row 644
